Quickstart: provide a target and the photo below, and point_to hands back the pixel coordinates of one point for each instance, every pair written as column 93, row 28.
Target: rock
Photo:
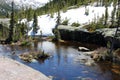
column 90, row 62
column 100, row 54
column 34, row 60
column 83, row 49
column 70, row 33
column 51, row 77
column 85, row 72
column 14, row 70
column 89, row 53
column 108, row 34
column 83, row 78
column 96, row 57
column 99, row 37
column 13, row 53
column 116, row 54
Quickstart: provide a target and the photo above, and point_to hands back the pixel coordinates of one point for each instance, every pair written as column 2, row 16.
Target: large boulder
column 99, row 36
column 78, row 34
column 108, row 34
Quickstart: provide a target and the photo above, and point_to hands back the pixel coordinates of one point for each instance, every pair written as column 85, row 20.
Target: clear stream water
column 62, row 64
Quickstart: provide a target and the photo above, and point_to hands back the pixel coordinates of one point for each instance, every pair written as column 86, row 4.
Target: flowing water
column 63, row 63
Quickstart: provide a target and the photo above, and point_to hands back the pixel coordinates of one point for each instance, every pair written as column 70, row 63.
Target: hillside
column 46, row 22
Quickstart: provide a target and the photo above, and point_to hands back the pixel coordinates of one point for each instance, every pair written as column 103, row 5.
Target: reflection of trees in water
column 60, row 54
column 58, row 51
column 35, row 45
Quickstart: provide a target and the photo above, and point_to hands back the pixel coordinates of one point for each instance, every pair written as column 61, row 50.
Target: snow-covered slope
column 46, row 23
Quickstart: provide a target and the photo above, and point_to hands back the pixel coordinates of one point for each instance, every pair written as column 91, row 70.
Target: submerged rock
column 100, row 54
column 51, row 77
column 83, row 78
column 85, row 59
column 90, row 62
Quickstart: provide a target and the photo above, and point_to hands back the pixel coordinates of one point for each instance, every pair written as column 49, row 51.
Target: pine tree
column 10, row 37
column 113, row 16
column 29, row 14
column 56, row 31
column 35, row 23
column 106, row 14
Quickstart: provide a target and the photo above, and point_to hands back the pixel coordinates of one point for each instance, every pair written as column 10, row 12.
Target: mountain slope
column 28, row 3
column 5, row 5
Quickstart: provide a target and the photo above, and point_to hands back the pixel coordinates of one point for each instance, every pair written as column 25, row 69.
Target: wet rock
column 96, row 56
column 90, row 62
column 100, row 54
column 51, row 77
column 83, row 49
column 83, row 78
column 86, row 60
column 13, row 53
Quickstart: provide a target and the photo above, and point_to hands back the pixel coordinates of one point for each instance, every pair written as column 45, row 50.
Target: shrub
column 75, row 24
column 65, row 22
column 86, row 12
column 25, row 43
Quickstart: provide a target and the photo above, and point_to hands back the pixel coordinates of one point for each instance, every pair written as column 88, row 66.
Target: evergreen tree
column 7, row 15
column 29, row 14
column 10, row 37
column 113, row 15
column 118, row 14
column 35, row 23
column 106, row 14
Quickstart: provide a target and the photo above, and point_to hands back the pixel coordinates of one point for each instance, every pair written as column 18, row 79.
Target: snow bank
column 45, row 23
